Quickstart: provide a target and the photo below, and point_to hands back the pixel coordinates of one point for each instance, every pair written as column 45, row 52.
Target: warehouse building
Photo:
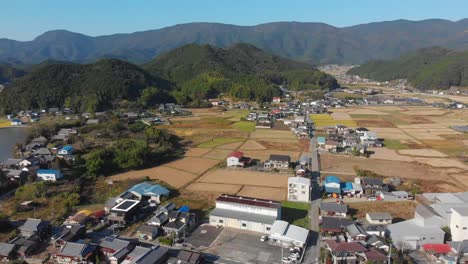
column 245, row 213
column 288, row 235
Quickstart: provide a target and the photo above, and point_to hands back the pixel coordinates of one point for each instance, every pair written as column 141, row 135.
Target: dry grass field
column 266, row 133
column 254, row 145
column 193, row 164
column 196, row 152
column 214, row 187
column 399, row 210
column 275, row 194
column 265, row 154
column 174, row 177
column 245, row 177
column 422, row 153
column 218, row 154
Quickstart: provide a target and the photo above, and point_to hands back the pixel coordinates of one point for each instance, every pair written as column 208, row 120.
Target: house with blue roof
column 347, row 187
column 67, row 150
column 152, row 193
column 332, row 184
column 49, row 175
column 321, row 141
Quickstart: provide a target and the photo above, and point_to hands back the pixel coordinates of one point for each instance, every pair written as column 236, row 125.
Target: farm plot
column 283, row 144
column 196, row 152
column 265, row 154
column 422, row 153
column 325, row 120
column 214, row 142
column 193, row 164
column 214, row 187
column 245, row 177
column 231, row 146
column 269, row 133
column 366, row 111
column 341, row 116
column 253, row 145
column 442, row 162
column 269, row 193
column 399, row 210
column 387, row 154
column 218, row 154
column 175, row 178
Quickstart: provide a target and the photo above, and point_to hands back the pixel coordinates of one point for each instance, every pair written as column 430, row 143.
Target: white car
column 263, row 238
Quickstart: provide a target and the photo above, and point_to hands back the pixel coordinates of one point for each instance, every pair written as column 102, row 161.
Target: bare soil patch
column 292, row 145
column 245, row 177
column 442, row 162
column 426, row 112
column 388, row 154
column 214, row 187
column 366, row 111
column 193, row 164
column 422, row 153
column 275, row 194
column 343, row 164
column 196, row 152
column 341, row 116
column 374, row 123
column 175, row 178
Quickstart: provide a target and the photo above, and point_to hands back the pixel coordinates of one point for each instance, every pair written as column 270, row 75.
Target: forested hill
column 87, row 87
column 190, row 75
column 8, row 73
column 429, row 68
column 242, row 71
column 315, row 43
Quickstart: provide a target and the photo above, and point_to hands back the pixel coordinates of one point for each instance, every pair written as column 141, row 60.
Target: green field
column 325, row 120
column 218, row 142
column 244, row 126
column 394, row 144
column 295, row 213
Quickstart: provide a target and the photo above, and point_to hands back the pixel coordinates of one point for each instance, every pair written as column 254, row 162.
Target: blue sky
column 26, row 19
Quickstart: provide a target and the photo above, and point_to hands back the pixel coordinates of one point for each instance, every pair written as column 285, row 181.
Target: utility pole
column 390, row 253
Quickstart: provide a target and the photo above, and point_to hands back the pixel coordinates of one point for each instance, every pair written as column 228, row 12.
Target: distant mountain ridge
column 427, row 68
column 315, row 43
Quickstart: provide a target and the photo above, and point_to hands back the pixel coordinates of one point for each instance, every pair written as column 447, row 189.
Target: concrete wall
column 458, row 226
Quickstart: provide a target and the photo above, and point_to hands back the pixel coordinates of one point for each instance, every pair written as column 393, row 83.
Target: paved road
column 313, row 252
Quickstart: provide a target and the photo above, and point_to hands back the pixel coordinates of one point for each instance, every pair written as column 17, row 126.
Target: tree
column 130, row 153
column 150, row 96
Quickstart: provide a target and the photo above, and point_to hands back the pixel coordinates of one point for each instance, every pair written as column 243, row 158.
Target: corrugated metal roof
column 248, row 201
column 251, row 217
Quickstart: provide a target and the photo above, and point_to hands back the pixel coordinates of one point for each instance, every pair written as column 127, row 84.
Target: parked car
column 263, row 238
column 372, row 198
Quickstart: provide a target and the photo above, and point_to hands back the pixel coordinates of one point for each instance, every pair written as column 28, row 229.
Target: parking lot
column 203, row 236
column 245, row 247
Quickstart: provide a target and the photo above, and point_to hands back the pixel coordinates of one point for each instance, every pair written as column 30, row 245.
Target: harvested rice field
column 245, row 177
column 214, row 187
column 270, row 133
column 193, row 164
column 275, row 194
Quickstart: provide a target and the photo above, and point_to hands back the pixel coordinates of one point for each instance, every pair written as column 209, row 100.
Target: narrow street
column 313, row 252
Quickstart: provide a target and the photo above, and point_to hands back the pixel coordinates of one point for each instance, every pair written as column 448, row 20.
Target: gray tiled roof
column 380, row 216
column 6, row 249
column 265, row 219
column 72, row 249
column 113, row 243
column 334, row 207
column 153, row 256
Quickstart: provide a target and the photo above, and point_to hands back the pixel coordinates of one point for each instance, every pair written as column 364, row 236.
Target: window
column 464, row 228
column 268, row 229
column 456, row 226
column 244, row 225
column 380, row 220
column 221, row 221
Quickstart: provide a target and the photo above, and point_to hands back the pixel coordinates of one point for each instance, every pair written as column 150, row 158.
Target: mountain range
column 427, row 68
column 314, row 43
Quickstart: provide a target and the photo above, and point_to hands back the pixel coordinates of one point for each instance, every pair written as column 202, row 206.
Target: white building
column 298, row 189
column 245, row 213
column 379, row 218
column 288, row 235
column 49, row 175
column 459, row 223
column 237, row 159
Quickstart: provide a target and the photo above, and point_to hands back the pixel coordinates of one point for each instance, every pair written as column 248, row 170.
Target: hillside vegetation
column 429, row 68
column 315, row 43
column 8, row 73
column 188, row 75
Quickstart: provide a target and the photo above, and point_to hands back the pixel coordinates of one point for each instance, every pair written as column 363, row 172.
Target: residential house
column 237, row 159
column 377, row 230
column 378, row 242
column 344, row 252
column 372, row 185
column 67, row 233
column 75, row 253
column 245, row 213
column 7, row 252
column 159, row 219
column 186, row 257
column 25, row 247
column 145, row 192
column 13, row 163
column 374, row 255
column 321, row 142
column 125, row 212
column 148, row 232
column 49, row 175
column 299, row 189
column 34, row 227
column 459, row 223
column 276, row 99
column 424, row 228
column 379, row 218
column 39, row 140
column 332, row 184
column 331, row 145
column 67, row 150
column 179, row 222
column 280, row 162
column 334, row 225
column 18, row 176
column 42, row 152
column 288, row 235
column 333, row 209
column 80, row 217
column 356, row 232
column 110, row 245
column 144, row 255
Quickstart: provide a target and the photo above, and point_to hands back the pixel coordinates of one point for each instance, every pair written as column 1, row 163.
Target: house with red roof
column 435, row 251
column 237, row 159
